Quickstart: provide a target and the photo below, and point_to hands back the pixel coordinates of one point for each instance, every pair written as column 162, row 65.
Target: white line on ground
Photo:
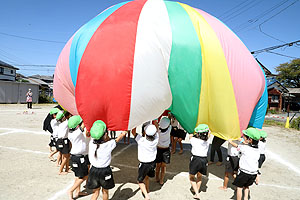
column 14, row 130
column 61, row 192
column 25, row 150
column 277, row 158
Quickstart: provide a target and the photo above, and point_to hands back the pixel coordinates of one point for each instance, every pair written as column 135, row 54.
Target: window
column 1, row 70
column 12, row 71
column 275, row 99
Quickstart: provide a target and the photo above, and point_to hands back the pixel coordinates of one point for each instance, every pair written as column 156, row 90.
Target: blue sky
column 23, row 23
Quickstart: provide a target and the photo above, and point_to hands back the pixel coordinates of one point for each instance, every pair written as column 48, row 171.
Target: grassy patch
column 274, row 123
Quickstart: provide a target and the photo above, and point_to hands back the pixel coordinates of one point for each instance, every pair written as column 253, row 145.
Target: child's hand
column 88, row 134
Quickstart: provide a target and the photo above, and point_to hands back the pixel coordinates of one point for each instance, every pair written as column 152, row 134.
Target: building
column 7, row 72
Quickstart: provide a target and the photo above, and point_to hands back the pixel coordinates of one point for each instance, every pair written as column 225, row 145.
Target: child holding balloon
column 248, row 164
column 100, row 149
column 147, row 149
column 262, row 149
column 198, row 163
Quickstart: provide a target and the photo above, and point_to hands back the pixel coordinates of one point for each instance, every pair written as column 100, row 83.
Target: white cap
column 150, row 130
column 164, row 123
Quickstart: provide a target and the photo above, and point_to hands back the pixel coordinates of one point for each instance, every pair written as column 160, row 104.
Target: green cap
column 202, row 128
column 253, row 133
column 98, row 129
column 54, row 111
column 263, row 134
column 74, row 121
column 60, row 115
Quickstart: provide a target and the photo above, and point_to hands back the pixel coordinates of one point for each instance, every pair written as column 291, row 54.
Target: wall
column 15, row 92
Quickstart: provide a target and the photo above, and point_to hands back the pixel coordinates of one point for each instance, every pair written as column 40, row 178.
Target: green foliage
column 43, row 98
column 296, row 123
column 24, row 81
column 273, row 111
column 274, row 123
column 289, row 73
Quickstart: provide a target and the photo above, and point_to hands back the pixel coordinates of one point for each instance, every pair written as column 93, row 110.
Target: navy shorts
column 80, row 165
column 198, row 164
column 232, row 164
column 63, row 145
column 163, row 155
column 100, row 177
column 52, row 142
column 146, row 169
column 243, row 179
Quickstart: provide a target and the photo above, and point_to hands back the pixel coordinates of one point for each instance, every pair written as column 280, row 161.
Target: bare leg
column 105, row 194
column 144, row 190
column 76, row 187
column 226, row 179
column 180, row 144
column 68, row 162
column 52, row 154
column 157, row 170
column 174, row 145
column 194, row 185
column 58, row 159
column 95, row 194
column 147, row 183
column 239, row 193
column 199, row 180
column 246, row 193
column 163, row 172
column 63, row 163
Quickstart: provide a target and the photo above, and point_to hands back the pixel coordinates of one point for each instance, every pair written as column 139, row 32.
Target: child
column 147, row 149
column 163, row 150
column 248, row 164
column 63, row 143
column 53, row 125
column 198, row 163
column 100, row 149
column 231, row 164
column 79, row 154
column 262, row 148
column 177, row 135
column 216, row 147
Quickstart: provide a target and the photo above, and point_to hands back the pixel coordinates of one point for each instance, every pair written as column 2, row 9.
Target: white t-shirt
column 79, row 142
column 262, row 147
column 249, row 159
column 199, row 147
column 63, row 129
column 146, row 149
column 54, row 124
column 175, row 123
column 103, row 158
column 164, row 138
column 232, row 151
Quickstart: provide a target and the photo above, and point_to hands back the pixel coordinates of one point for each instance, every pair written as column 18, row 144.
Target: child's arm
column 134, row 134
column 121, row 136
column 232, row 143
column 191, row 135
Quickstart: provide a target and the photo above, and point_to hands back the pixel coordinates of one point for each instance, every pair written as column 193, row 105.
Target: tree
column 289, row 73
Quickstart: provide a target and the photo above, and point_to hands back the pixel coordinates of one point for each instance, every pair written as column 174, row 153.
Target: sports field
column 27, row 173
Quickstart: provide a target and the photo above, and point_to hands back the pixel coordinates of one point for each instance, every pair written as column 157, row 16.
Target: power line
column 281, row 54
column 29, row 38
column 229, row 11
column 35, row 65
column 258, row 17
column 276, row 47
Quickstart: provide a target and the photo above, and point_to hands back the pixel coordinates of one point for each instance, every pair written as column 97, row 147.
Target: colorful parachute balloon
column 138, row 58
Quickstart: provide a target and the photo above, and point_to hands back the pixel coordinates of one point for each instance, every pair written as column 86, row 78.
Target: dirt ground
column 27, row 173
